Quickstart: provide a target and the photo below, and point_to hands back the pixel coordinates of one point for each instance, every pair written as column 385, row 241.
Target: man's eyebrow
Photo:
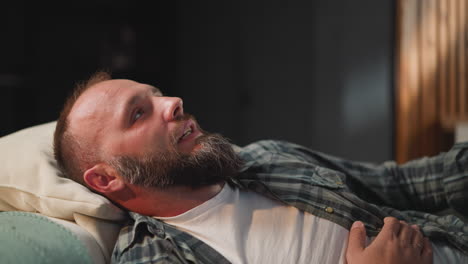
column 138, row 96
column 156, row 91
column 135, row 98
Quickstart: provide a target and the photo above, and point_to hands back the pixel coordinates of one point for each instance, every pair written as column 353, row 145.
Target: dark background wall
column 318, row 73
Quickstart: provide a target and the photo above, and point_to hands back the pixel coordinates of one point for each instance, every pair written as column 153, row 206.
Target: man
column 194, row 197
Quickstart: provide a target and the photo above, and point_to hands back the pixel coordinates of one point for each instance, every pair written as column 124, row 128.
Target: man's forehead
column 112, row 87
column 96, row 99
column 97, row 105
column 116, row 84
column 106, row 94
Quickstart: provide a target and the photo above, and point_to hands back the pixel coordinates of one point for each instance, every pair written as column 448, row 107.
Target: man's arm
column 426, row 184
column 397, row 243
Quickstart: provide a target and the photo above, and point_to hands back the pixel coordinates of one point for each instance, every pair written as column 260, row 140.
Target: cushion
column 88, row 241
column 31, row 238
column 30, row 181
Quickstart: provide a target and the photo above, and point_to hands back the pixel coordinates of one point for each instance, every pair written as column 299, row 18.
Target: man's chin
column 194, row 146
column 211, row 161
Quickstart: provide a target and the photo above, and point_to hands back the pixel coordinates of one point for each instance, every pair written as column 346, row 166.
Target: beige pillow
column 30, row 181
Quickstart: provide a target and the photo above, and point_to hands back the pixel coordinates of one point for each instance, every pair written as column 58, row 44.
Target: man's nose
column 173, row 108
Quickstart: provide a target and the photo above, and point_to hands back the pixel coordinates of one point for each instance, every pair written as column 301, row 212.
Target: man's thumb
column 357, row 238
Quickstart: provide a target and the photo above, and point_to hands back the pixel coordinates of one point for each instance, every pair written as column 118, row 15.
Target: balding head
column 108, row 118
column 118, row 132
column 94, row 118
column 93, row 105
column 69, row 153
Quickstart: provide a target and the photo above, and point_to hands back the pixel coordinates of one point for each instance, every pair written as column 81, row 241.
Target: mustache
column 184, row 117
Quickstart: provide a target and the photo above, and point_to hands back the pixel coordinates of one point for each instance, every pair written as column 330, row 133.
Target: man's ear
column 103, row 179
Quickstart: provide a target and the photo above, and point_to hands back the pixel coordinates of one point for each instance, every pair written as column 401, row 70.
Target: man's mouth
column 189, row 130
column 186, row 133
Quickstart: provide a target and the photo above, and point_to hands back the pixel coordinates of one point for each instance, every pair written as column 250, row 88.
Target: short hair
column 71, row 156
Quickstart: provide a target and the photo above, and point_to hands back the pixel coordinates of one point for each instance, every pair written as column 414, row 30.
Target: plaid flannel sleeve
column 429, row 184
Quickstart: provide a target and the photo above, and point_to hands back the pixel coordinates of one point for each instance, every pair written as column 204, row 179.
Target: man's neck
column 170, row 202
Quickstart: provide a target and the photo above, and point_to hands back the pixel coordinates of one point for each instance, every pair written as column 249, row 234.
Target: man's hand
column 397, row 243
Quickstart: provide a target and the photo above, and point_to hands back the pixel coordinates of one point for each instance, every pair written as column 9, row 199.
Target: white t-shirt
column 246, row 227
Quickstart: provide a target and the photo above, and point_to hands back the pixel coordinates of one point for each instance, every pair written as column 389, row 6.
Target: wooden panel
column 453, row 103
column 407, row 80
column 442, row 44
column 431, row 92
column 461, row 56
column 428, row 60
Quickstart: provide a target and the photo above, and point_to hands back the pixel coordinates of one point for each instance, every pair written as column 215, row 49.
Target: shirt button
column 329, row 210
column 159, row 232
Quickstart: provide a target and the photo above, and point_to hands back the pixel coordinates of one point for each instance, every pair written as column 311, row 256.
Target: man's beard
column 212, row 162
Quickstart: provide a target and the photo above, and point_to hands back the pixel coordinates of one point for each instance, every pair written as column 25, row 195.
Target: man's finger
column 418, row 239
column 426, row 253
column 391, row 227
column 357, row 238
column 406, row 234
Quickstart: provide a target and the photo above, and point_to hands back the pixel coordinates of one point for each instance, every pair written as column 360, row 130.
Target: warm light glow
column 432, row 72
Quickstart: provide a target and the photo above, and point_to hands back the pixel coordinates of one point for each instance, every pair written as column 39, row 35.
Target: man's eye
column 138, row 113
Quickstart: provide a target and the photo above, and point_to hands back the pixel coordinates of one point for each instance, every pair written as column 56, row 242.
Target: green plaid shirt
column 336, row 189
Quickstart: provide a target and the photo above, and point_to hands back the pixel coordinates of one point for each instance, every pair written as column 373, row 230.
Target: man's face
column 124, row 117
column 135, row 128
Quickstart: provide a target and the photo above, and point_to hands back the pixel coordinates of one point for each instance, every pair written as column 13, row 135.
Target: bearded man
column 193, row 197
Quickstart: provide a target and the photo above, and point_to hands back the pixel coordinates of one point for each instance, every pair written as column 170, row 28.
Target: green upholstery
column 31, row 238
